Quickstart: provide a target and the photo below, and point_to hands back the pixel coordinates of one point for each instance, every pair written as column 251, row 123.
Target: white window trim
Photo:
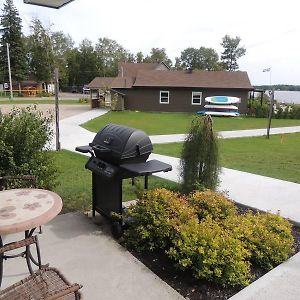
column 160, row 97
column 196, row 93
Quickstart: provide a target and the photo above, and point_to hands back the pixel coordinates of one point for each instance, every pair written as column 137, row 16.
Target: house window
column 196, row 98
column 164, row 97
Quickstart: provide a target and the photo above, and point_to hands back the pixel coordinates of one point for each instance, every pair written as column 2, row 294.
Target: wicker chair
column 46, row 284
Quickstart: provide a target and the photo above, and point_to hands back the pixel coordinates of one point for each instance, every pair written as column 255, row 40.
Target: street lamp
column 49, row 3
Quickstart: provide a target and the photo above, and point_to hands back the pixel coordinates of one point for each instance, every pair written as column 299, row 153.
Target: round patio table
column 24, row 210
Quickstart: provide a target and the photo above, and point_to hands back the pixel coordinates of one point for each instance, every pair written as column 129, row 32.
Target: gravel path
column 65, row 111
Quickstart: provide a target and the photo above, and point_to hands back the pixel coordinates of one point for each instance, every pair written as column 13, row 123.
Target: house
column 154, row 87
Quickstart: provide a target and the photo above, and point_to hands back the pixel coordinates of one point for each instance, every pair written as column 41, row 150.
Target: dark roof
column 131, row 69
column 101, row 82
column 201, row 79
column 122, row 82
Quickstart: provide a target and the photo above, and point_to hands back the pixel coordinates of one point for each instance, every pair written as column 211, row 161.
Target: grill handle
column 85, row 149
column 101, row 149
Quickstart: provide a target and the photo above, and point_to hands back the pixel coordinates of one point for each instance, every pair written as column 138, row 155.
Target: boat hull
column 222, row 100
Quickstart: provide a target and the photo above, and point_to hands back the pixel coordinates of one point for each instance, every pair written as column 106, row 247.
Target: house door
column 108, row 100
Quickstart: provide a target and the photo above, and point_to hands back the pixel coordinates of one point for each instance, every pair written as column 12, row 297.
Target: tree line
column 279, row 87
column 36, row 55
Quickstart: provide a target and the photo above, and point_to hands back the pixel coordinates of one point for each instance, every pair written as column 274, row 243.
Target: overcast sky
column 270, row 30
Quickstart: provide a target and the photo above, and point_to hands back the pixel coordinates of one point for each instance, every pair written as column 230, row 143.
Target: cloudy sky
column 270, row 30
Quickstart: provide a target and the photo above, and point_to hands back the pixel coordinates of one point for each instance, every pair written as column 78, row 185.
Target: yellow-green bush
column 209, row 203
column 152, row 219
column 203, row 233
column 267, row 236
column 210, row 252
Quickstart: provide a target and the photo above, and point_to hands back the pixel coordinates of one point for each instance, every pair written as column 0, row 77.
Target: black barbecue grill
column 118, row 152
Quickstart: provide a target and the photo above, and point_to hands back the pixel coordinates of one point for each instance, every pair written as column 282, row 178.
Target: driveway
column 65, row 110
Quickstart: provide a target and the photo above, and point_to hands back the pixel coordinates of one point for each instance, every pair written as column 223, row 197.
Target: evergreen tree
column 200, row 156
column 11, row 33
column 232, row 52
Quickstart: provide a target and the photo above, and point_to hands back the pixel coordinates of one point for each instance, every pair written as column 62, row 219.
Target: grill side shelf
column 147, row 168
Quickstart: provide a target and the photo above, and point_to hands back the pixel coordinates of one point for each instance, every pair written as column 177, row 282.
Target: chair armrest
column 69, row 290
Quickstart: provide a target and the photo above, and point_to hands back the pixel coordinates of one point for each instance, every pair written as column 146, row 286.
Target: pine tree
column 11, row 33
column 200, row 156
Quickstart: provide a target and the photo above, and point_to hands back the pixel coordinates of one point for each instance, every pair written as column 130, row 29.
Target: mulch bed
column 190, row 287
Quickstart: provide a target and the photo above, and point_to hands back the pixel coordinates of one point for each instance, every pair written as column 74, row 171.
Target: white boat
column 219, row 113
column 222, row 100
column 215, row 106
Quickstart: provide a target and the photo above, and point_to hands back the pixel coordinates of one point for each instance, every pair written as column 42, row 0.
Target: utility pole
column 9, row 72
column 56, row 109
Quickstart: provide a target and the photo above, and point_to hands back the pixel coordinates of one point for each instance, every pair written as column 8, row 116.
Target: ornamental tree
column 200, row 156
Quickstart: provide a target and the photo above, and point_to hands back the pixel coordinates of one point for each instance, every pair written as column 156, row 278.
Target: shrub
column 152, row 219
column 43, row 94
column 211, row 253
column 83, row 100
column 203, row 233
column 23, row 136
column 209, row 203
column 267, row 236
column 200, row 156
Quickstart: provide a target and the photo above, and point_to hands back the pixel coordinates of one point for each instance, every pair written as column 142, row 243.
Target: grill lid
column 121, row 143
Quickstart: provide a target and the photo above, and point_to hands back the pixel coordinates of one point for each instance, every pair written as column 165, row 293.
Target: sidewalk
column 86, row 253
column 173, row 138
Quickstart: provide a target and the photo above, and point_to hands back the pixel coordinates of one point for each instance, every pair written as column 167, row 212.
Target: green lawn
column 278, row 157
column 75, row 182
column 170, row 123
column 39, row 101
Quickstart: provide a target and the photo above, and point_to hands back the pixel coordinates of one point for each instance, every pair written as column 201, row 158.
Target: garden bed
column 187, row 285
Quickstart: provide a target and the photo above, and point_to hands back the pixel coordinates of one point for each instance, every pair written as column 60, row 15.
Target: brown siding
column 180, row 99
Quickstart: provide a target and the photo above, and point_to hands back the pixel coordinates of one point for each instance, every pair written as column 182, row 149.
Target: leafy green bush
column 267, row 236
column 203, row 233
column 210, row 252
column 83, row 100
column 43, row 94
column 209, row 203
column 24, row 134
column 152, row 219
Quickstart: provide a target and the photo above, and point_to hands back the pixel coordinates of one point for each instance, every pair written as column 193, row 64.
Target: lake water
column 287, row 96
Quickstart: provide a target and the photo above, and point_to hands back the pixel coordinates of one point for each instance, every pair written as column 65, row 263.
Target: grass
column 172, row 123
column 39, row 101
column 74, row 182
column 278, row 157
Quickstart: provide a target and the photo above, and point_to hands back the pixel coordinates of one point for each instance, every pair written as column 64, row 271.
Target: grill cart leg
column 146, row 182
column 117, row 229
